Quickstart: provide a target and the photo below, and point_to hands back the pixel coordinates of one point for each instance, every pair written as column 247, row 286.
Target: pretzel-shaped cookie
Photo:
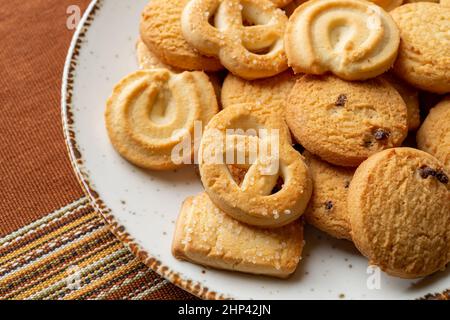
column 353, row 39
column 251, row 52
column 152, row 111
column 252, row 202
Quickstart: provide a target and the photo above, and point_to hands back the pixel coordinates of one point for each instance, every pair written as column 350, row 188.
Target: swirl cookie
column 410, row 97
column 434, row 135
column 150, row 112
column 206, row 235
column 246, row 35
column 353, row 39
column 327, row 209
column 424, row 61
column 268, row 93
column 345, row 122
column 399, row 206
column 161, row 31
column 266, row 139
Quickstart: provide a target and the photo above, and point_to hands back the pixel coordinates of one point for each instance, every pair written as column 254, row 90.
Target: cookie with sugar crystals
column 160, row 30
column 327, row 209
column 424, row 54
column 399, row 207
column 353, row 39
column 247, row 36
column 345, row 122
column 434, row 135
column 206, row 235
column 255, row 200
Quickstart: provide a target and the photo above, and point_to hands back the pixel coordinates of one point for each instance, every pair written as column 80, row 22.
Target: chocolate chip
column 442, row 177
column 368, row 142
column 298, row 147
column 426, row 171
column 341, row 100
column 329, row 205
column 381, row 134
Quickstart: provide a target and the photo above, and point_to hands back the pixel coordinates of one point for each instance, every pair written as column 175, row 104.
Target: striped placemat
column 71, row 254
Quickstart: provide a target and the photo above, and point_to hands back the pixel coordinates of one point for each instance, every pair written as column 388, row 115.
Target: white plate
column 143, row 206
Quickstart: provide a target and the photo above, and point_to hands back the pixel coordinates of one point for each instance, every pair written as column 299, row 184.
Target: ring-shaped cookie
column 246, row 35
column 253, row 202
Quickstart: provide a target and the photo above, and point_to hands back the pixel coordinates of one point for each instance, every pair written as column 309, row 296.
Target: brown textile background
column 36, row 177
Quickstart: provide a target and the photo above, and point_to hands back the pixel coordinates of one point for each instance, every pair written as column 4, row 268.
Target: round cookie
column 399, row 207
column 424, row 54
column 161, row 31
column 353, row 39
column 410, row 97
column 148, row 60
column 267, row 93
column 327, row 209
column 345, row 122
column 434, row 135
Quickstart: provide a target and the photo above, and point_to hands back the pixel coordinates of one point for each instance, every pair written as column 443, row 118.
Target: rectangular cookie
column 207, row 236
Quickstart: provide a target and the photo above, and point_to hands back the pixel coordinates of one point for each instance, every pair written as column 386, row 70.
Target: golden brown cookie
column 424, row 54
column 247, row 36
column 206, row 235
column 148, row 60
column 254, row 202
column 150, row 112
column 354, row 39
column 268, row 93
column 327, row 209
column 345, row 122
column 161, row 31
column 411, row 97
column 434, row 135
column 399, row 206
column 388, row 5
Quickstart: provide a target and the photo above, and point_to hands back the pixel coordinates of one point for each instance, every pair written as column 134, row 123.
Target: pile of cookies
column 345, row 83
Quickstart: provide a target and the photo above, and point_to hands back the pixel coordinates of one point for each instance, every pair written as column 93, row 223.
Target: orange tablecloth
column 52, row 243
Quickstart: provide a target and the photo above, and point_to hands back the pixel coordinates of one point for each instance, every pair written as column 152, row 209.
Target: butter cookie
column 206, row 235
column 353, row 39
column 399, row 207
column 152, row 111
column 424, row 54
column 345, row 122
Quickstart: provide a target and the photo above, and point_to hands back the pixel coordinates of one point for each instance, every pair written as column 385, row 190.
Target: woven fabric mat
column 53, row 245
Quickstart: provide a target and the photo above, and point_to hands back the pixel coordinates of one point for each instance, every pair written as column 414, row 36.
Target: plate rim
column 77, row 163
column 76, row 160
